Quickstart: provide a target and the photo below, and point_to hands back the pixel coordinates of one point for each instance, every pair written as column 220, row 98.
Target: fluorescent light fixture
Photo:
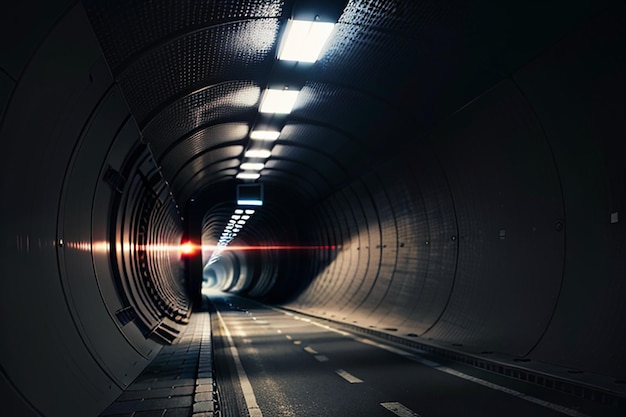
column 245, row 217
column 235, row 216
column 252, row 166
column 304, row 40
column 248, row 175
column 239, row 211
column 250, row 202
column 264, row 135
column 249, row 211
column 241, row 222
column 278, row 101
column 257, row 153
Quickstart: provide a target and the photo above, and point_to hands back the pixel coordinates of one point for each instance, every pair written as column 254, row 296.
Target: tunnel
column 448, row 175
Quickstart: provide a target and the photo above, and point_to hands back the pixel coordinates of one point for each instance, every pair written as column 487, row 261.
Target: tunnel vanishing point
column 451, row 172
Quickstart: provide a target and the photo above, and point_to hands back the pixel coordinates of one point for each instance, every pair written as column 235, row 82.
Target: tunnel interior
column 450, row 172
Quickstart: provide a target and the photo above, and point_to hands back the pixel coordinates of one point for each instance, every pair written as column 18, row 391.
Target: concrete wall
column 66, row 350
column 505, row 232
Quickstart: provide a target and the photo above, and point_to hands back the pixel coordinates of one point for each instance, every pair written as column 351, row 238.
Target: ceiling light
column 249, row 211
column 239, row 211
column 264, row 135
column 257, row 153
column 250, row 202
column 252, row 166
column 278, row 101
column 248, row 175
column 304, row 40
column 241, row 222
column 245, row 217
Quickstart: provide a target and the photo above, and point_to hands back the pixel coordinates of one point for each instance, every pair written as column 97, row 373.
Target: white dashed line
column 310, row 350
column 561, row 409
column 287, row 337
column 348, row 376
column 321, row 358
column 399, row 409
column 297, row 342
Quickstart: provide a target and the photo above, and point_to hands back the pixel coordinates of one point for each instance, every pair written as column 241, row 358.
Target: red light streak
column 280, row 247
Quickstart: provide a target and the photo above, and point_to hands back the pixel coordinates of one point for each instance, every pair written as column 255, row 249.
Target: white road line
column 297, row 342
column 287, row 337
column 310, row 350
column 399, row 409
column 556, row 407
column 321, row 358
column 348, row 376
column 246, row 387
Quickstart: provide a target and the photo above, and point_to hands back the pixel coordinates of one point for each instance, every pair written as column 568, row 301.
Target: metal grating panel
column 197, row 164
column 244, row 51
column 235, row 100
column 344, row 109
column 211, row 137
column 125, row 28
column 406, row 18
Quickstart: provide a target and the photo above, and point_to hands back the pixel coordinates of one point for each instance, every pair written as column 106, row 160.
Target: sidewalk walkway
column 178, row 382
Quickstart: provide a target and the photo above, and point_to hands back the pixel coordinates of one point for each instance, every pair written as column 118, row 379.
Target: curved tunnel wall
column 91, row 288
column 503, row 234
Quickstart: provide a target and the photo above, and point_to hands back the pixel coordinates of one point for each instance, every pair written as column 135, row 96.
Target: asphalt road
column 287, row 365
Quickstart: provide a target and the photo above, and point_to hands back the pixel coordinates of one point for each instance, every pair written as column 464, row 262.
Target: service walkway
column 178, row 382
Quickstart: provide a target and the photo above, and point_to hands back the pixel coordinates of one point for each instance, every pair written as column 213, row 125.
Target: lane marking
column 287, row 337
column 246, row 387
column 297, row 342
column 321, row 358
column 556, row 407
column 310, row 350
column 399, row 409
column 348, row 376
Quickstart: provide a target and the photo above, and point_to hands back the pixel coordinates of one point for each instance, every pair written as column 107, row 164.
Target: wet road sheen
column 296, row 367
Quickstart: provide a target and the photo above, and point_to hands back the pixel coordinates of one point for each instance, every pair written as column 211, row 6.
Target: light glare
column 248, row 175
column 252, row 166
column 250, row 202
column 257, row 153
column 264, row 135
column 304, row 40
column 278, row 101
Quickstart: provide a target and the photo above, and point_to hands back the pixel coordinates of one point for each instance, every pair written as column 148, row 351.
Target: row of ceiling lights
column 303, row 42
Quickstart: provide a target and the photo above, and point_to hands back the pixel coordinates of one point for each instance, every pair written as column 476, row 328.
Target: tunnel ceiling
column 193, row 73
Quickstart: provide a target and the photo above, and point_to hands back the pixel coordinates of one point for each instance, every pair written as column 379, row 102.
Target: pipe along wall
column 502, row 232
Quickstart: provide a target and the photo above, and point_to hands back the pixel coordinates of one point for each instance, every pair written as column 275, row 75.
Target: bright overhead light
column 264, row 134
column 304, row 40
column 252, row 166
column 238, row 211
column 250, row 202
column 246, row 217
column 241, row 222
column 235, row 216
column 257, row 153
column 278, row 101
column 249, row 211
column 248, row 175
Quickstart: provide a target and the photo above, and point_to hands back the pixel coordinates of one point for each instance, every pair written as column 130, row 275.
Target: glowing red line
column 279, row 247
